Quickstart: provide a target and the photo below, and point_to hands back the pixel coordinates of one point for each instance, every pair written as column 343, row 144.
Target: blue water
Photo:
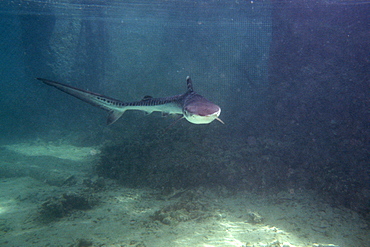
column 128, row 50
column 291, row 78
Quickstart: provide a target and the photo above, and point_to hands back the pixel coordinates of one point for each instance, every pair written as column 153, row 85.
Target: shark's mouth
column 201, row 117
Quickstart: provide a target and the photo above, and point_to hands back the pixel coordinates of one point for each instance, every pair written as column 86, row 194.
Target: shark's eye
column 186, row 111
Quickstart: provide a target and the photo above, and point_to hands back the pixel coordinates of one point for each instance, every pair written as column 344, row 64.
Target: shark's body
column 192, row 106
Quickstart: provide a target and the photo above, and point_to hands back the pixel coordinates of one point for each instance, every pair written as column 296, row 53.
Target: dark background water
column 292, row 80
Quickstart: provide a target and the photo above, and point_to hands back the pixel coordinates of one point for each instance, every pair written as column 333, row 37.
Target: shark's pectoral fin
column 114, row 116
column 172, row 124
column 218, row 119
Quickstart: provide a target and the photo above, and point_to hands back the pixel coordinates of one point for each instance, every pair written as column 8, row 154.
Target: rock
column 255, row 218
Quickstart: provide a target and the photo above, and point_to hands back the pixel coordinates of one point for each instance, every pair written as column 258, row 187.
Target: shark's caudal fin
column 101, row 101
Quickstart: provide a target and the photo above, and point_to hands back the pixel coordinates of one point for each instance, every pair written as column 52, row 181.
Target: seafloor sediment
column 77, row 208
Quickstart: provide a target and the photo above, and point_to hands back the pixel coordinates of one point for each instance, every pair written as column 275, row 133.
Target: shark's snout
column 202, row 113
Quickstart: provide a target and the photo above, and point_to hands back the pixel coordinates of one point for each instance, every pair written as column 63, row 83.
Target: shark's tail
column 115, row 107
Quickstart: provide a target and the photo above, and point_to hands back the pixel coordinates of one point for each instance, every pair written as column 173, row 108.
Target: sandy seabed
column 34, row 173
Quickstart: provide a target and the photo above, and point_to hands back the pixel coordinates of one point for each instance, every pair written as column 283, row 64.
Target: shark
column 190, row 105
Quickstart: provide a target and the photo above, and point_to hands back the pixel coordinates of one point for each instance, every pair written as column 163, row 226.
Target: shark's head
column 201, row 111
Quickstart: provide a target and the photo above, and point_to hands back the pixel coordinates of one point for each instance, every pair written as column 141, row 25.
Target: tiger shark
column 190, row 105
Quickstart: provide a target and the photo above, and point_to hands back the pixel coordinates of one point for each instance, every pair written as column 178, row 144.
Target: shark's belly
column 169, row 108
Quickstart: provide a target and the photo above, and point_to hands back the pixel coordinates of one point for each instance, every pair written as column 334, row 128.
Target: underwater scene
column 211, row 123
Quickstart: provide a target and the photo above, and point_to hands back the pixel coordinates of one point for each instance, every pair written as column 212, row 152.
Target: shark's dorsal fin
column 146, row 97
column 189, row 84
